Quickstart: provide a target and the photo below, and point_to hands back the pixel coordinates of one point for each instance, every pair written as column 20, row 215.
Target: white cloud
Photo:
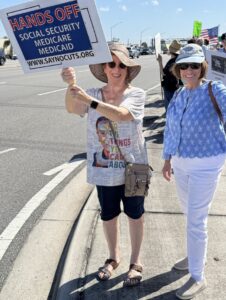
column 179, row 10
column 105, row 9
column 155, row 2
column 123, row 7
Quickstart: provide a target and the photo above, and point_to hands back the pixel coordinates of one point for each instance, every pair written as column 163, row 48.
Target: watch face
column 94, row 104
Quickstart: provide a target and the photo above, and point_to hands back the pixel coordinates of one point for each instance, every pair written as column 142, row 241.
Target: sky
column 132, row 21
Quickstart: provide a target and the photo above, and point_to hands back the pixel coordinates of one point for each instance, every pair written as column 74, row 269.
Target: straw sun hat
column 174, row 47
column 122, row 53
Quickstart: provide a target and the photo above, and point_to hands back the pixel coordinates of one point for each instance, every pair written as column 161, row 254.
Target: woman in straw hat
column 169, row 82
column 122, row 104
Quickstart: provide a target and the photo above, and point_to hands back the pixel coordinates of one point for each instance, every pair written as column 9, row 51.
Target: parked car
column 145, row 51
column 2, row 57
column 14, row 56
column 152, row 50
column 133, row 52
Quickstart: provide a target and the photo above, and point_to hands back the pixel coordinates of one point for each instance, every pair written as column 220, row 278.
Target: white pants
column 196, row 181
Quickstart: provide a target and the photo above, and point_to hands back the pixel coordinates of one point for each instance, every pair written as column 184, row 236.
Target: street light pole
column 113, row 26
column 141, row 33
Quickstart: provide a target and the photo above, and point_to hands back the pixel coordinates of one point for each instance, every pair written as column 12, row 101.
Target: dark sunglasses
column 112, row 65
column 193, row 66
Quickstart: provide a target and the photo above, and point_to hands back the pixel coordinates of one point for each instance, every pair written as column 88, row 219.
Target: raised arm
column 72, row 104
column 130, row 109
column 112, row 112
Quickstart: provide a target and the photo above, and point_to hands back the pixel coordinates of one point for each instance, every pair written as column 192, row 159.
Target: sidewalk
column 164, row 240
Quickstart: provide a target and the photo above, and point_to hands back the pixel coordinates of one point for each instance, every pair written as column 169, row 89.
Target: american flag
column 210, row 34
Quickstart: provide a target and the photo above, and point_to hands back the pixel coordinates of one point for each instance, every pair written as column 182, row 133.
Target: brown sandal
column 135, row 280
column 107, row 273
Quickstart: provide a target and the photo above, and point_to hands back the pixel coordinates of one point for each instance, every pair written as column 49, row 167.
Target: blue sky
column 131, row 20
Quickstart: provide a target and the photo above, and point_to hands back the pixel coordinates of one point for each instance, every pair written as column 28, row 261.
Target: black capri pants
column 110, row 198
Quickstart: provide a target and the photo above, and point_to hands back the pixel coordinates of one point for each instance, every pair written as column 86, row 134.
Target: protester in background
column 201, row 42
column 169, row 82
column 195, row 147
column 206, row 43
column 192, row 40
column 123, row 104
column 223, row 42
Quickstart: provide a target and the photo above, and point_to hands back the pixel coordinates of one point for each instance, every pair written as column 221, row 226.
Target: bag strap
column 178, row 90
column 114, row 135
column 214, row 101
column 113, row 131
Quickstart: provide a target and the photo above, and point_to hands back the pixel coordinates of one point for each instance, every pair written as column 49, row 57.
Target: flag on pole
column 210, row 34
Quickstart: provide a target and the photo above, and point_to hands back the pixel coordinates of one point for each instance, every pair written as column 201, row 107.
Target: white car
column 133, row 52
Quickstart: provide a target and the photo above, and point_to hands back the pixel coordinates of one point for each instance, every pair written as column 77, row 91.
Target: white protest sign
column 49, row 34
column 157, row 44
column 216, row 65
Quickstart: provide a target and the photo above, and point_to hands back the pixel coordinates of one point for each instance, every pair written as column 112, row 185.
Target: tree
column 144, row 45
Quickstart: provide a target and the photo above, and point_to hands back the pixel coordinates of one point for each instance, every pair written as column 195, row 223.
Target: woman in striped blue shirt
column 195, row 147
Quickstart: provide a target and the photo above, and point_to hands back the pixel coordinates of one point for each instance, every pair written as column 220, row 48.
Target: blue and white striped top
column 193, row 128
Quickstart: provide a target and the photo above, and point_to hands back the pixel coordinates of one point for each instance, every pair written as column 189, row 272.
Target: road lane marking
column 59, row 90
column 7, row 150
column 16, row 224
column 55, row 91
column 55, row 170
column 83, row 71
column 51, row 92
column 152, row 88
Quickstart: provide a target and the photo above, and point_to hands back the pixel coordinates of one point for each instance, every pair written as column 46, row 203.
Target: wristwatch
column 94, row 104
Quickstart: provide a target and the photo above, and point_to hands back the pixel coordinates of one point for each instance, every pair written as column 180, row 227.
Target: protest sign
column 158, row 44
column 216, row 65
column 197, row 28
column 48, row 34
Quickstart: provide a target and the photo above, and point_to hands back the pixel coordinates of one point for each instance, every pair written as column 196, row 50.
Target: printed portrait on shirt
column 109, row 155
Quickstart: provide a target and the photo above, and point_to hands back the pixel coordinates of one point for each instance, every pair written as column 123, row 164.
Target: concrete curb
column 79, row 250
column 36, row 263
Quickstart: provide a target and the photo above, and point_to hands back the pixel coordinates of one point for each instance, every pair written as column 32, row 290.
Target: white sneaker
column 191, row 288
column 181, row 265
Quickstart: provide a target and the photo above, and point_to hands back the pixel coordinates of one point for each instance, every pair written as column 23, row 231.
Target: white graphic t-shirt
column 105, row 164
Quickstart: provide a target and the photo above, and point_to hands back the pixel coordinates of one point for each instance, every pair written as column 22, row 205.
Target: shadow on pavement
column 78, row 156
column 158, row 103
column 148, row 120
column 156, row 138
column 76, row 289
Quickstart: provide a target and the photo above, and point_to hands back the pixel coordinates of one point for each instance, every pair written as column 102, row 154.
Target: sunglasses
column 112, row 65
column 193, row 66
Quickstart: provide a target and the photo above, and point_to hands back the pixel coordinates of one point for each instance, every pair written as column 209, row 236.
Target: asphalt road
column 37, row 139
